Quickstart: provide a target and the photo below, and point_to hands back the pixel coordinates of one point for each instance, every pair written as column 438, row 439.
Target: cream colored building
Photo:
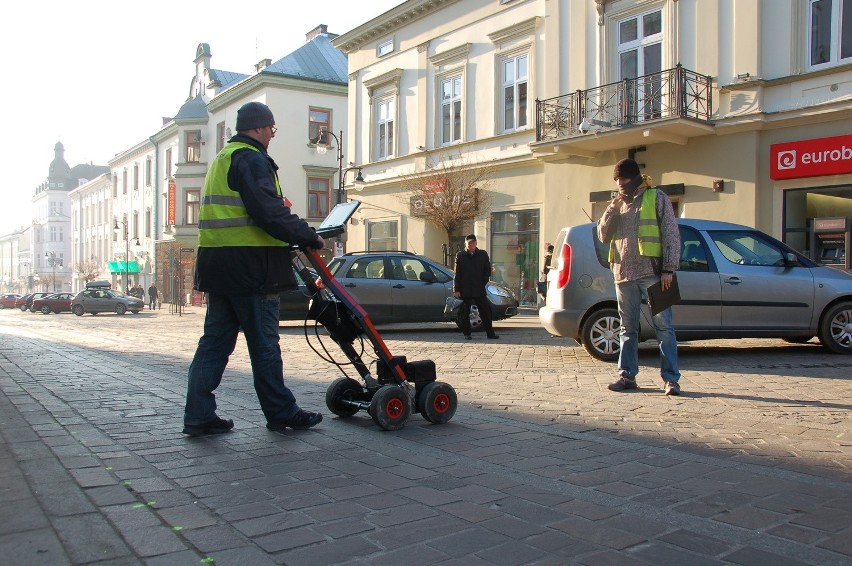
column 737, row 109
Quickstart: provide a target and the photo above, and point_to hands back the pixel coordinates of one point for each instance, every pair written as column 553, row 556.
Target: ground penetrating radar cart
column 398, row 387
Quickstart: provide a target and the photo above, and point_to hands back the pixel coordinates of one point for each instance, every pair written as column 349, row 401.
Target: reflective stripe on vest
column 650, row 238
column 223, row 218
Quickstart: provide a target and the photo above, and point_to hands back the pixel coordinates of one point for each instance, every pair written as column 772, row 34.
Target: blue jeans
column 257, row 316
column 630, row 295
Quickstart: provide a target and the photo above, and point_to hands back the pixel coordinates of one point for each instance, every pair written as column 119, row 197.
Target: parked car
column 294, row 304
column 735, row 282
column 98, row 298
column 57, row 302
column 398, row 286
column 9, row 300
column 26, row 302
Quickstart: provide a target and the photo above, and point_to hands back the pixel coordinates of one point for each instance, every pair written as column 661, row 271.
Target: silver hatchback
column 735, row 282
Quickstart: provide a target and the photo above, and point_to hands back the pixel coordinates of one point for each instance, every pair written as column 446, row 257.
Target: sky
column 100, row 75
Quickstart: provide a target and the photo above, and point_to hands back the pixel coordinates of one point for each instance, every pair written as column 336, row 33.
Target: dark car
column 57, row 302
column 9, row 300
column 294, row 304
column 26, row 302
column 735, row 282
column 399, row 286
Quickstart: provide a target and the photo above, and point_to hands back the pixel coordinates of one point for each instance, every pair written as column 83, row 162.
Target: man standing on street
column 152, row 296
column 245, row 231
column 473, row 271
column 640, row 226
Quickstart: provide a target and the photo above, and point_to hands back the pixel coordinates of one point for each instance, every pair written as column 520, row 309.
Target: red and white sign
column 811, row 158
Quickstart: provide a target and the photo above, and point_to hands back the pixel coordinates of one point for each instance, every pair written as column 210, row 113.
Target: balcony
column 670, row 106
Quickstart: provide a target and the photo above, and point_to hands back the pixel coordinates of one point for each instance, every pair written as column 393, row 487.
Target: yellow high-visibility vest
column 650, row 237
column 223, row 218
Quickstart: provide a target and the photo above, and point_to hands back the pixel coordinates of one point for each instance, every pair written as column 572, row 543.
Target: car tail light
column 564, row 266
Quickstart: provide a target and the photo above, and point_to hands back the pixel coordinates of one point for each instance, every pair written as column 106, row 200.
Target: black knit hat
column 253, row 115
column 626, row 168
column 470, row 237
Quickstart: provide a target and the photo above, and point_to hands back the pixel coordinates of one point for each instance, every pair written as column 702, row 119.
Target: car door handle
column 399, row 286
column 350, row 285
column 733, row 280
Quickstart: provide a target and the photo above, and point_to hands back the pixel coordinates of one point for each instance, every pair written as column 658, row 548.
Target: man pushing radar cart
column 398, row 386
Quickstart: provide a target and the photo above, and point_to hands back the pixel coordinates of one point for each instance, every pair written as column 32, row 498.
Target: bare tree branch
column 88, row 270
column 448, row 192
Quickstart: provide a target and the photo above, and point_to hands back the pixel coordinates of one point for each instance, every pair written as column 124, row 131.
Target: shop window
column 382, row 236
column 515, row 253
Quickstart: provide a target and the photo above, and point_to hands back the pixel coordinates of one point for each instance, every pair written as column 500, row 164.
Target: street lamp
column 320, row 143
column 53, row 261
column 126, row 247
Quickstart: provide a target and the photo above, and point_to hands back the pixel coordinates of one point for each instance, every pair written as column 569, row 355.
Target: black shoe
column 623, row 384
column 216, row 426
column 303, row 420
column 492, row 336
column 467, row 337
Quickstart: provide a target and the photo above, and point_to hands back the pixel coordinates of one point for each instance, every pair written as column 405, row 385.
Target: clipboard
column 660, row 300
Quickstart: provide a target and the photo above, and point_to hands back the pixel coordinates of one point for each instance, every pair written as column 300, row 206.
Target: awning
column 123, row 266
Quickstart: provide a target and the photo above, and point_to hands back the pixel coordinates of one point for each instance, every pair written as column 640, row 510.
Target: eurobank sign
column 811, row 158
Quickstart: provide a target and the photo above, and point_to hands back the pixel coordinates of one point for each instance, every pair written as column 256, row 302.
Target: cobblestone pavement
column 540, row 465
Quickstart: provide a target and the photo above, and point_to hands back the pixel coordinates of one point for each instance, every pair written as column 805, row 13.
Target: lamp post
column 53, row 261
column 320, row 143
column 126, row 248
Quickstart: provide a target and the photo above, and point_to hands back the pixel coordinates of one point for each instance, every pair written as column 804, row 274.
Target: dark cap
column 253, row 115
column 470, row 237
column 626, row 168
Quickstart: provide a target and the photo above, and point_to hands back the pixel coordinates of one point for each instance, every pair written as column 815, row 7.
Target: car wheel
column 437, row 402
column 45, row 309
column 78, row 310
column 835, row 329
column 342, row 389
column 599, row 335
column 475, row 319
column 23, row 308
column 390, row 407
column 120, row 309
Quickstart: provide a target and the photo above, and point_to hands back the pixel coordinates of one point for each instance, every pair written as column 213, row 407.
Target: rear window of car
column 601, row 249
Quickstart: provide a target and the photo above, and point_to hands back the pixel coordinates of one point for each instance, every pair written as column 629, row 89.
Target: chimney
column 262, row 64
column 321, row 29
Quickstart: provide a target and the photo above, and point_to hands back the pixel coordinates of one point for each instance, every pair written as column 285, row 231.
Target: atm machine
column 832, row 237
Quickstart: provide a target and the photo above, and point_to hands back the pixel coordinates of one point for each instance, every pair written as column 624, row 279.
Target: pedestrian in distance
column 152, row 296
column 473, row 271
column 245, row 233
column 640, row 226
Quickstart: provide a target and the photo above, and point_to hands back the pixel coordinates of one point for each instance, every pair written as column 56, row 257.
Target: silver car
column 735, row 282
column 398, row 286
column 95, row 300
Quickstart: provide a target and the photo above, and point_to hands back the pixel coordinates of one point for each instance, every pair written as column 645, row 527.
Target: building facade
column 719, row 102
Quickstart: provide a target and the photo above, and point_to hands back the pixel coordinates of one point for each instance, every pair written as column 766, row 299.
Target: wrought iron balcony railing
column 671, row 93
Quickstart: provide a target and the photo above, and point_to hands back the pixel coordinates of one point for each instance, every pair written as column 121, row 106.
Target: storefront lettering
column 811, row 158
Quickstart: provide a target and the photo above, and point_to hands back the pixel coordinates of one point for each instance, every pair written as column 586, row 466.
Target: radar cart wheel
column 390, row 407
column 341, row 390
column 438, row 402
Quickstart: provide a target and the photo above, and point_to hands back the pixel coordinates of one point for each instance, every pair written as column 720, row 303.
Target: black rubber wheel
column 835, row 328
column 437, row 402
column 78, row 310
column 599, row 335
column 45, row 309
column 390, row 407
column 341, row 389
column 23, row 308
column 120, row 308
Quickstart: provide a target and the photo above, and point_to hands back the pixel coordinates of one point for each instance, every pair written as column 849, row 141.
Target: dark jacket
column 252, row 269
column 473, row 271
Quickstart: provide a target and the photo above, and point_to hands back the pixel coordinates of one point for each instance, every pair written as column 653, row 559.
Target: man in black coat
column 473, row 271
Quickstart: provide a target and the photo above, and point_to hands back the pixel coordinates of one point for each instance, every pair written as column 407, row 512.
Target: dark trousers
column 484, row 313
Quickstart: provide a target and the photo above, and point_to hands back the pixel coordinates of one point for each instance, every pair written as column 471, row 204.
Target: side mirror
column 427, row 276
column 791, row 259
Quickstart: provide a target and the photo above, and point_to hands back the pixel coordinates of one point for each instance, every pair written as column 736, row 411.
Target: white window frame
column 385, row 148
column 384, row 89
column 455, row 114
column 514, row 83
column 641, row 42
column 835, row 33
column 385, row 48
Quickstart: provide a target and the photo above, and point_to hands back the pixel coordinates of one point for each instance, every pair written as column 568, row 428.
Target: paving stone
column 749, row 556
column 89, row 538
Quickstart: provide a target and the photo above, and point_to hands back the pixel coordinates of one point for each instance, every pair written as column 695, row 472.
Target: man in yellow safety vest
column 640, row 226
